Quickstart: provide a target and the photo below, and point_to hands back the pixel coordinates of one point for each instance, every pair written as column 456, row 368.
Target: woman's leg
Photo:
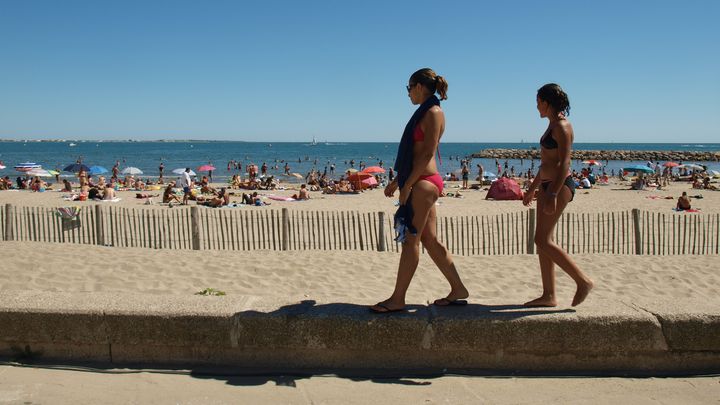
column 549, row 253
column 422, row 198
column 547, row 267
column 442, row 258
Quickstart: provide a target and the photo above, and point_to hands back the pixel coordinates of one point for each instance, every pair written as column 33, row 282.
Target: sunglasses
column 409, row 87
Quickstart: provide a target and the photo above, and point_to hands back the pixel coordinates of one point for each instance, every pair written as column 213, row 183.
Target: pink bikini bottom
column 435, row 179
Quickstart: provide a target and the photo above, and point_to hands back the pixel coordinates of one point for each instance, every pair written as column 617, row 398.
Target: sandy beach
column 614, row 197
column 354, row 277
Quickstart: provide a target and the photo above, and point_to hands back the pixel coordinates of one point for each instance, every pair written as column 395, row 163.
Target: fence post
column 285, row 228
column 9, row 217
column 99, row 230
column 381, row 232
column 638, row 236
column 531, row 232
column 195, row 227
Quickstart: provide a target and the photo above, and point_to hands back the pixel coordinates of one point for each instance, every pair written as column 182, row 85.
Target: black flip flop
column 386, row 311
column 450, row 303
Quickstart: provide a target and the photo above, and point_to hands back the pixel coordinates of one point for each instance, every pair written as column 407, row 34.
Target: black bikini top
column 547, row 141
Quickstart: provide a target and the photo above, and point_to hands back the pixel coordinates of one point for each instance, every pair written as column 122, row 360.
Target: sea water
column 301, row 157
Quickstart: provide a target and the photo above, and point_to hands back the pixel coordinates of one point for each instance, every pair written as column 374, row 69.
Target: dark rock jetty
column 683, row 156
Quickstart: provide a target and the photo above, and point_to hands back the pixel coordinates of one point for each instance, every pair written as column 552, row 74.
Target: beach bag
column 70, row 217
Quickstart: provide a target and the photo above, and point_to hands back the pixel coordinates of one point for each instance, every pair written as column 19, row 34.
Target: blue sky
column 639, row 71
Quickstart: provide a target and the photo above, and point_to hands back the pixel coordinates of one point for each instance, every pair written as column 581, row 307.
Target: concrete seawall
column 253, row 332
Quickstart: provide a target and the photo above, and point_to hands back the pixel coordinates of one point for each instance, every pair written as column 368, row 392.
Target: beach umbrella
column 97, row 170
column 181, row 170
column 54, row 172
column 351, row 170
column 373, row 170
column 713, row 173
column 27, row 166
column 671, row 164
column 39, row 172
column 131, row 171
column 75, row 167
column 691, row 166
column 368, row 182
column 592, row 162
column 361, row 180
column 205, row 168
column 638, row 168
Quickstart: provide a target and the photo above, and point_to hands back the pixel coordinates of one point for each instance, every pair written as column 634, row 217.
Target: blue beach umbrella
column 75, row 167
column 638, row 168
column 97, row 170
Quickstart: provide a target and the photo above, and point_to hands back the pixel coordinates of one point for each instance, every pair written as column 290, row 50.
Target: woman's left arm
column 431, row 126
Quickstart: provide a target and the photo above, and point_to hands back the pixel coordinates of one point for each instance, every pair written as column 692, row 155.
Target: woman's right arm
column 391, row 188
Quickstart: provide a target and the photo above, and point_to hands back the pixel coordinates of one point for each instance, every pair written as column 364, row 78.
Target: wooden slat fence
column 623, row 232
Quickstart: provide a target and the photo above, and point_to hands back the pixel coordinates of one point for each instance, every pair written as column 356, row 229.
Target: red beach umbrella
column 671, row 164
column 592, row 162
column 358, row 179
column 373, row 170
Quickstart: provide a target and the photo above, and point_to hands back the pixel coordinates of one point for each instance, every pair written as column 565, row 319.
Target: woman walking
column 420, row 186
column 557, row 188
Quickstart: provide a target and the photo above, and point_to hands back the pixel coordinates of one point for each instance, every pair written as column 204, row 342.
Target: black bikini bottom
column 569, row 182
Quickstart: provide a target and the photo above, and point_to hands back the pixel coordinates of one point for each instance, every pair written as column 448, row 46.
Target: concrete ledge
column 252, row 332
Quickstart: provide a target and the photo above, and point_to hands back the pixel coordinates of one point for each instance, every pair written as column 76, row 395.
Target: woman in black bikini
column 557, row 189
column 420, row 185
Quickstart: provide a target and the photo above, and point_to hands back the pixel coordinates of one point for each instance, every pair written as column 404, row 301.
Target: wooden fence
column 624, row 232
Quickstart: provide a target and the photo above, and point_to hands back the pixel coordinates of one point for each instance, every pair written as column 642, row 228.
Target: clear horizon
column 280, row 71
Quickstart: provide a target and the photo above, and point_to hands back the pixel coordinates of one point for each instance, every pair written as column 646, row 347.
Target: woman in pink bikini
column 420, row 186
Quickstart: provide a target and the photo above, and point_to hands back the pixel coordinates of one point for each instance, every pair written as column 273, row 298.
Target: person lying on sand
column 223, row 198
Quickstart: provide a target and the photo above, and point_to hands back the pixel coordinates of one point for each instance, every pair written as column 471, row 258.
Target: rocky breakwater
column 653, row 155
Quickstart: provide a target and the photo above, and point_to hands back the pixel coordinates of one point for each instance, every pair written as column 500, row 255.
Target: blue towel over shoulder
column 404, row 166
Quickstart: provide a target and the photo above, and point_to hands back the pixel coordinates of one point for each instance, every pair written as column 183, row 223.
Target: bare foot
column 582, row 292
column 544, row 301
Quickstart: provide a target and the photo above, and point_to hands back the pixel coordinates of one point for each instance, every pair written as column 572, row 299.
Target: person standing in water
column 420, row 185
column 557, row 189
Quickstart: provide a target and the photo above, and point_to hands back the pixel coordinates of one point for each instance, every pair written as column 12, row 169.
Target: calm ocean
column 302, row 157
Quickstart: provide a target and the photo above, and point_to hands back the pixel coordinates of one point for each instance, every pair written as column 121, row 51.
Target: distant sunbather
column 169, row 195
column 683, row 202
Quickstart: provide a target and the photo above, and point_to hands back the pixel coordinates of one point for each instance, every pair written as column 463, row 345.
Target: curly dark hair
column 554, row 95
